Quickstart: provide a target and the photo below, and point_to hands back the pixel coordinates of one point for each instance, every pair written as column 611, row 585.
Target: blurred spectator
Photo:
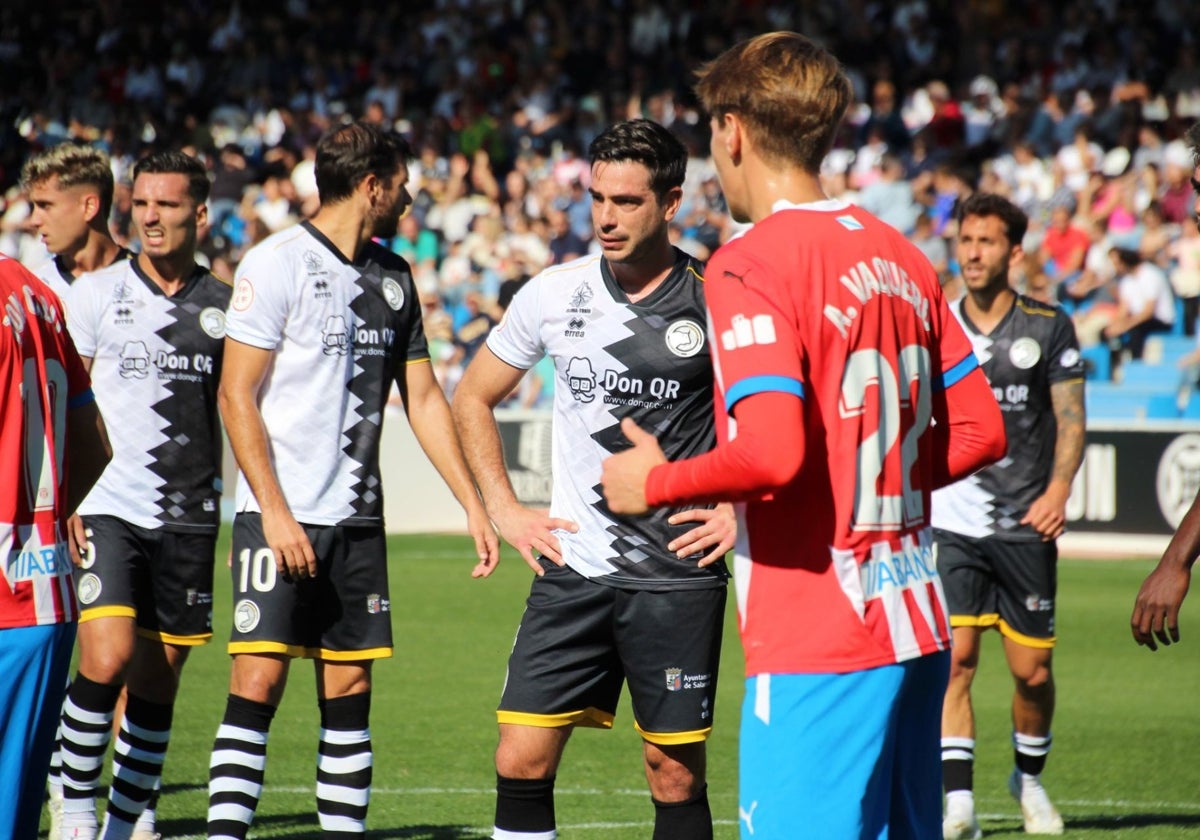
column 1145, row 303
column 890, row 196
column 1064, row 245
column 1184, row 254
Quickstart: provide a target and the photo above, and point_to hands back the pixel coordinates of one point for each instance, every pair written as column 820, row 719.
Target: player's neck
column 168, row 273
column 346, row 229
column 987, row 307
column 95, row 252
column 638, row 280
column 768, row 185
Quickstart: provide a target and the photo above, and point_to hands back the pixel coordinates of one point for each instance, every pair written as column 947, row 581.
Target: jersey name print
column 341, row 333
column 156, row 362
column 648, row 360
column 1032, row 348
column 824, row 302
column 42, row 379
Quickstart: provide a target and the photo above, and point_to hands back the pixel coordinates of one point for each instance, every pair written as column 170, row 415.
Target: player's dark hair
column 645, row 142
column 1192, row 138
column 351, row 152
column 989, row 204
column 178, row 163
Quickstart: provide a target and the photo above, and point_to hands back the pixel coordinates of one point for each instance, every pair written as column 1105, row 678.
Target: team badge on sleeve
column 243, row 295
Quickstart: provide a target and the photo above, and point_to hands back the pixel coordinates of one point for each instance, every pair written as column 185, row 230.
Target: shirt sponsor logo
column 246, row 615
column 887, row 570
column 685, row 338
column 34, row 561
column 581, row 379
column 1024, row 353
column 393, row 293
column 335, row 338
column 243, row 295
column 744, row 331
column 212, row 321
column 312, row 261
column 89, row 588
column 580, row 298
column 134, row 360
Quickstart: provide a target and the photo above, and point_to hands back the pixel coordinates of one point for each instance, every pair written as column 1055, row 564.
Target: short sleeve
column 516, row 340
column 259, row 306
column 83, row 316
column 1065, row 361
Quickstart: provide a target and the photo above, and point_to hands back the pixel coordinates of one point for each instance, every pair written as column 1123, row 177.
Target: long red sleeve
column 969, row 433
column 765, row 455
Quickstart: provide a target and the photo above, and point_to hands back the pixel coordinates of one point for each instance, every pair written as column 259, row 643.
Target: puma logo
column 748, row 816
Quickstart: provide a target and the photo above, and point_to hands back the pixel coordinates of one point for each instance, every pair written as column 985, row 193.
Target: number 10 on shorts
column 256, row 570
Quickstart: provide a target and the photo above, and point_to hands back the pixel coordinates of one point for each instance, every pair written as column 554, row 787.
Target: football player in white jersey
column 150, row 332
column 616, row 599
column 323, row 321
column 71, row 189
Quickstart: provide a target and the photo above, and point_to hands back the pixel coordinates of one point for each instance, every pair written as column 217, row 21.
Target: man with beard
column 322, row 321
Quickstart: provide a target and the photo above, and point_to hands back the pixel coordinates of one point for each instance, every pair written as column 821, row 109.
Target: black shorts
column 579, row 640
column 161, row 579
column 1007, row 584
column 341, row 615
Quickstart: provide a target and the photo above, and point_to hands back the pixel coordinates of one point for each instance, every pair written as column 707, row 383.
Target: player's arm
column 486, row 382
column 1048, row 513
column 242, row 373
column 1156, row 608
column 429, row 416
column 76, row 532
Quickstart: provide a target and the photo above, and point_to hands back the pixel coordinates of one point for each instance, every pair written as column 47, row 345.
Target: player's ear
column 91, row 206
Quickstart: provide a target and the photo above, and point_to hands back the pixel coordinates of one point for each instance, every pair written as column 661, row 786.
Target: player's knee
column 105, row 665
column 1035, row 680
column 675, row 773
column 520, row 760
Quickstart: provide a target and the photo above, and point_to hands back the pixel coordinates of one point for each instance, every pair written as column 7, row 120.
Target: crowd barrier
column 1136, row 482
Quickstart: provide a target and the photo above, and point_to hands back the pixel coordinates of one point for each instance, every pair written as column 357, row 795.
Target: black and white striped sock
column 237, row 767
column 344, row 762
column 85, row 729
column 137, row 764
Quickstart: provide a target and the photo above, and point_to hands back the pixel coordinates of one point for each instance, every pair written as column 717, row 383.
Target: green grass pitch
column 1126, row 759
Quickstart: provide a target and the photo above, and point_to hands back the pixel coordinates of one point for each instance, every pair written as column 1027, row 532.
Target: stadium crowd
column 1073, row 110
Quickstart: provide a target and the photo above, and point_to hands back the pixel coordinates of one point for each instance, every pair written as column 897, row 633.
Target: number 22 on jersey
column 902, row 390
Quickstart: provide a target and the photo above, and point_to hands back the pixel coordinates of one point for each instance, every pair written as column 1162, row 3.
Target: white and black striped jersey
column 613, row 359
column 1032, row 348
column 52, row 273
column 341, row 333
column 156, row 362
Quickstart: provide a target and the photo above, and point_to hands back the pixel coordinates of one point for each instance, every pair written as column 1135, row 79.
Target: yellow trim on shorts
column 107, row 612
column 1008, row 632
column 670, row 739
column 298, row 652
column 171, row 639
column 985, row 621
column 294, row 651
column 348, row 655
column 590, row 717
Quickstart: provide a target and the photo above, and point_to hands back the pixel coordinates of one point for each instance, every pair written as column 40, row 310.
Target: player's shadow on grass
column 1116, row 822
column 304, row 827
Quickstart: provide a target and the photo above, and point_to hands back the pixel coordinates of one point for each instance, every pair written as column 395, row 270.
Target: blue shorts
column 854, row 755
column 34, row 661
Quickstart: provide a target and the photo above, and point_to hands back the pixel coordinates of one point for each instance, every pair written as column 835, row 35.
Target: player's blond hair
column 789, row 91
column 74, row 164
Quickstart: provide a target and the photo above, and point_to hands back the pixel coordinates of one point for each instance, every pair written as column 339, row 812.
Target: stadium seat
column 1162, row 407
column 1098, row 363
column 1140, row 374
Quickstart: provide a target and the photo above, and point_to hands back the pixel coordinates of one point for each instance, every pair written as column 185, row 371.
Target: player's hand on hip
column 529, row 530
column 77, row 540
column 1156, row 608
column 716, row 533
column 624, row 474
column 294, row 556
column 487, row 547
